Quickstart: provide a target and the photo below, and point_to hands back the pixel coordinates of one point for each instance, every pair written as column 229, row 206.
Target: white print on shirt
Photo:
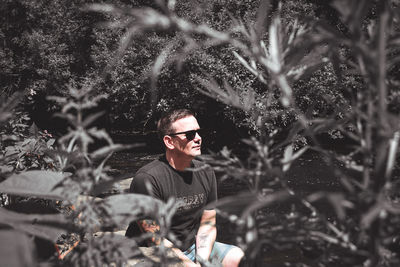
column 190, row 202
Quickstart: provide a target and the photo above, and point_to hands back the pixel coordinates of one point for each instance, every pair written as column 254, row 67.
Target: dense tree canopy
column 49, row 46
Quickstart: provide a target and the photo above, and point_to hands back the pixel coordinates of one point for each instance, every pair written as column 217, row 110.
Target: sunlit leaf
column 289, row 157
column 253, row 70
column 275, row 51
column 157, row 67
column 105, row 8
column 40, row 184
column 91, row 118
column 354, row 166
column 394, row 144
column 50, row 142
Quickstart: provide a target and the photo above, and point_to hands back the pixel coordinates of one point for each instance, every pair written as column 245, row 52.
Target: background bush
column 278, row 74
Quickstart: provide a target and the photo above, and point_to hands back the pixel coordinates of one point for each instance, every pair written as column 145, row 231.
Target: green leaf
column 289, row 157
column 254, row 71
column 105, row 8
column 16, row 249
column 99, row 134
column 275, row 49
column 262, row 15
column 391, row 160
column 126, row 208
column 249, row 202
column 105, row 151
column 264, row 201
column 337, row 200
column 126, row 246
column 11, row 151
column 50, row 142
column 40, row 184
column 47, row 226
column 371, row 215
column 103, row 186
column 6, row 106
column 157, row 67
column 91, row 118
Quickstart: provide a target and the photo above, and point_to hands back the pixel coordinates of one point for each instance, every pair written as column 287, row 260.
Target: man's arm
column 150, row 226
column 206, row 234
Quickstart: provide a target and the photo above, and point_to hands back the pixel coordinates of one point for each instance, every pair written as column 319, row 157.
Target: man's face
column 183, row 146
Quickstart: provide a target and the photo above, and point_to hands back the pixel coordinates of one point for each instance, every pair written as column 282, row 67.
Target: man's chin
column 197, row 153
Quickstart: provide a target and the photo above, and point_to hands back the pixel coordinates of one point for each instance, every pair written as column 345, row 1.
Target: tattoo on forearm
column 202, row 241
column 208, row 223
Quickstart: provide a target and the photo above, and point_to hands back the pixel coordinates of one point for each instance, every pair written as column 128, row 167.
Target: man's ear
column 168, row 142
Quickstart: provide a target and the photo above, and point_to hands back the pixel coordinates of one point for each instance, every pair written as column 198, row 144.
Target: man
column 195, row 189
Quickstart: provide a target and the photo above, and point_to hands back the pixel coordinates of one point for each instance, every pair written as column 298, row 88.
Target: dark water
column 308, row 174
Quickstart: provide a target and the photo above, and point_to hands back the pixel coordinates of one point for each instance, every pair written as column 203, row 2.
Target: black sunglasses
column 190, row 135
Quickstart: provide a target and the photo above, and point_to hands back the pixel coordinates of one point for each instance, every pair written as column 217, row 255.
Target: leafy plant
column 81, row 177
column 278, row 54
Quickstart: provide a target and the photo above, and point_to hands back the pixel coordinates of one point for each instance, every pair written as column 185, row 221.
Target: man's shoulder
column 200, row 165
column 153, row 167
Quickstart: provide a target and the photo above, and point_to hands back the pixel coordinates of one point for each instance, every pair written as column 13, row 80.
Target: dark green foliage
column 312, row 77
column 84, row 176
column 279, row 73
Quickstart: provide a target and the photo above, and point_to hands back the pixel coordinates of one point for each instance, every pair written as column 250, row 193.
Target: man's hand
column 186, row 261
column 150, row 226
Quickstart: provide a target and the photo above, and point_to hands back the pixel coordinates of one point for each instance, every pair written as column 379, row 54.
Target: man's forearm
column 205, row 239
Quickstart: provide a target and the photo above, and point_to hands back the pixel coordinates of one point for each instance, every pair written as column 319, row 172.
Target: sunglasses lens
column 190, row 135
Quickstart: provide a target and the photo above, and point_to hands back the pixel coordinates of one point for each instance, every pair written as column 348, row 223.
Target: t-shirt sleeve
column 145, row 184
column 138, row 186
column 212, row 196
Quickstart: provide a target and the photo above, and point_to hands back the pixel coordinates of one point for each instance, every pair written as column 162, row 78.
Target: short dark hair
column 164, row 125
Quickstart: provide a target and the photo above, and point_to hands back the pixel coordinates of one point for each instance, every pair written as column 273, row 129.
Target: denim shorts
column 218, row 252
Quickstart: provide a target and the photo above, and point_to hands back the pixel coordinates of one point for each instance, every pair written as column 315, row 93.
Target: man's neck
column 178, row 162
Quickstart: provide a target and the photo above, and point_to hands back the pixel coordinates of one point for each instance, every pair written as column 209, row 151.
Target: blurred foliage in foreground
column 307, row 76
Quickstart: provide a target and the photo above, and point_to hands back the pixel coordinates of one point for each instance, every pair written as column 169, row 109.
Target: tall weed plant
column 364, row 226
column 76, row 176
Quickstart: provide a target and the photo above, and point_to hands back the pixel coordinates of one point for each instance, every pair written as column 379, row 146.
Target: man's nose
column 197, row 136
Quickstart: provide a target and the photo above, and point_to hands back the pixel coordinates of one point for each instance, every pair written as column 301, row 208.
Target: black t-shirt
column 193, row 189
